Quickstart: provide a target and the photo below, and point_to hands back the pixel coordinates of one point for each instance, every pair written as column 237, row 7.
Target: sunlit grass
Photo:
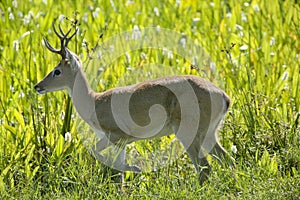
column 260, row 72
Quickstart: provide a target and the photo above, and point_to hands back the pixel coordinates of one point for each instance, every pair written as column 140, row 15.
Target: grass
column 255, row 50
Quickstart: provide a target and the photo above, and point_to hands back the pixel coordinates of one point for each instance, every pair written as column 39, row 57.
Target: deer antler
column 64, row 40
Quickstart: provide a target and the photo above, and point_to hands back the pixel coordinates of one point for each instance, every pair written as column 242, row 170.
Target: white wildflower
column 129, row 2
column 238, row 27
column 11, row 88
column 68, row 137
column 111, row 48
column 156, row 11
column 45, row 2
column 62, row 115
column 84, row 43
column 31, row 14
column 61, row 18
column 148, row 74
column 170, row 54
column 129, row 68
column 158, row 28
column 244, row 47
column 256, row 8
column 244, row 17
column 14, row 3
column 272, row 41
column 164, row 51
column 234, row 149
column 112, row 3
column 91, row 8
column 195, row 60
column 285, row 75
column 21, row 95
column 127, row 55
column 26, row 19
column 96, row 12
column 20, row 14
column 182, row 41
column 85, row 17
column 127, row 36
column 197, row 19
column 235, row 62
column 241, row 33
column 212, row 66
column 39, row 139
column 99, row 54
column 177, row 3
column 136, row 34
column 16, row 45
column 264, row 33
column 11, row 16
column 212, row 4
column 229, row 15
column 25, row 34
column 100, row 71
column 143, row 56
column 272, row 54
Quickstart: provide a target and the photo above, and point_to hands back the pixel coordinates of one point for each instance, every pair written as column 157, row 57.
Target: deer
column 188, row 106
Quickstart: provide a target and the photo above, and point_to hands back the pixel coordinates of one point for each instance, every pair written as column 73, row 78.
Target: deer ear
column 74, row 64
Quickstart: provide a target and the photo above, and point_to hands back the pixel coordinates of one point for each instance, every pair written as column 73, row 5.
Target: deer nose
column 36, row 87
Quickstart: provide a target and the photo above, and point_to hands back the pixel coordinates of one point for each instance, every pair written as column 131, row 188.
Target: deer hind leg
column 219, row 153
column 199, row 159
column 192, row 145
column 213, row 147
column 116, row 158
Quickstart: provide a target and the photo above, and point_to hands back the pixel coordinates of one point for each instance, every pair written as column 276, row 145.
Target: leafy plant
column 41, row 152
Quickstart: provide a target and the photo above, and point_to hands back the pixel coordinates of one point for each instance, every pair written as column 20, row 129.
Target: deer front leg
column 116, row 159
column 120, row 164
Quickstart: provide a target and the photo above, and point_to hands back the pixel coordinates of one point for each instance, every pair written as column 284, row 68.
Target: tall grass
column 260, row 73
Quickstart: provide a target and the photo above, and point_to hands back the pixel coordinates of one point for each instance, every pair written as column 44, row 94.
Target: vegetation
column 254, row 51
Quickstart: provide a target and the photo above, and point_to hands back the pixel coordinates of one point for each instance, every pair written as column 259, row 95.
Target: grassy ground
column 255, row 48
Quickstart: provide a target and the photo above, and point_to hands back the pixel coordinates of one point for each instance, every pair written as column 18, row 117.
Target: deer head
column 63, row 75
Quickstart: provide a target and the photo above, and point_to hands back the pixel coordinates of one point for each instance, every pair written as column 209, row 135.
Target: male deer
column 186, row 105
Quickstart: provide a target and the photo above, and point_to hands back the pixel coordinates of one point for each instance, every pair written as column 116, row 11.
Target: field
column 251, row 52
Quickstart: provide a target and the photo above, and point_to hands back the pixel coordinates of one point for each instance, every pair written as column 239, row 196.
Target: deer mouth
column 39, row 90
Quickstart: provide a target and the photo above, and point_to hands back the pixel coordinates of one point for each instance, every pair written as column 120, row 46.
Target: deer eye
column 56, row 72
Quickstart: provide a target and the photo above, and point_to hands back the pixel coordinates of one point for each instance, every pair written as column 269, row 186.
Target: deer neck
column 83, row 97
